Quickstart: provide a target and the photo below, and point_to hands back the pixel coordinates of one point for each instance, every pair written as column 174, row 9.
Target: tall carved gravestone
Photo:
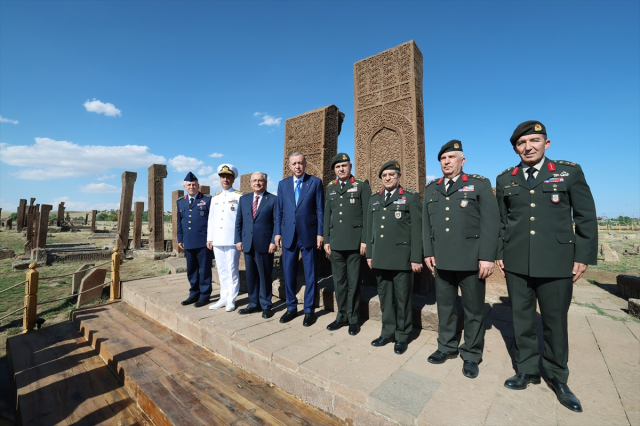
column 138, row 208
column 93, row 220
column 245, row 182
column 157, row 173
column 124, row 214
column 205, row 189
column 389, row 117
column 86, row 219
column 22, row 207
column 315, row 134
column 39, row 253
column 175, row 196
column 60, row 218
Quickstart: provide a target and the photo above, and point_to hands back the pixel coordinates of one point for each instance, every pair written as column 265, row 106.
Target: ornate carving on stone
column 175, row 196
column 157, row 174
column 315, row 134
column 60, row 218
column 93, row 220
column 205, row 189
column 43, row 226
column 138, row 208
column 389, row 121
column 124, row 214
column 22, row 210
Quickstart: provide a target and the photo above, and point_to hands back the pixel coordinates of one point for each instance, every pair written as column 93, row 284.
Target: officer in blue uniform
column 193, row 216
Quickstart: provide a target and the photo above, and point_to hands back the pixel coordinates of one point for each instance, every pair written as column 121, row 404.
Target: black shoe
column 288, row 316
column 470, row 369
column 267, row 313
column 309, row 320
column 381, row 341
column 521, row 380
column 336, row 325
column 189, row 301
column 440, row 357
column 400, row 347
column 247, row 310
column 354, row 329
column 201, row 303
column 565, row 396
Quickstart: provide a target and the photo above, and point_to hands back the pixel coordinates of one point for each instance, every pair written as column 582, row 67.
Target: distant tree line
column 112, row 216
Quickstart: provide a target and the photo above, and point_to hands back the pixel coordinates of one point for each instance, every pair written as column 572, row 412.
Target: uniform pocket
column 402, row 241
column 472, row 233
column 511, row 191
column 566, row 237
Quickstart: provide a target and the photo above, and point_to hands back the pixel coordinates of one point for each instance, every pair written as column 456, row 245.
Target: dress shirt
column 389, row 192
column 537, row 168
column 454, row 179
column 295, row 181
column 259, row 200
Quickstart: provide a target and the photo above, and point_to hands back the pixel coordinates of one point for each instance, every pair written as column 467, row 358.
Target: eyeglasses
column 257, row 180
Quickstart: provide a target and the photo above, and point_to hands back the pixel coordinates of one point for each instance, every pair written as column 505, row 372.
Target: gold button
column 341, row 196
column 532, row 218
column 340, row 205
column 189, row 227
column 189, row 221
column 533, row 204
column 190, row 210
column 555, row 189
column 384, row 208
column 381, row 226
column 570, row 241
column 447, row 230
column 340, row 221
column 381, row 236
column 189, row 215
column 446, row 208
column 340, row 212
column 532, row 192
column 446, row 218
column 533, row 232
column 383, row 217
column 447, row 198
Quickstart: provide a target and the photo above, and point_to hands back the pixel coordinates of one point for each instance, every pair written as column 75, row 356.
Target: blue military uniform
column 192, row 232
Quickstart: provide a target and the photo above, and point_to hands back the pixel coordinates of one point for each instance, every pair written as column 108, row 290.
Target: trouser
column 259, row 283
column 227, row 259
column 473, row 291
column 290, row 265
column 345, row 267
column 199, row 272
column 554, row 297
column 396, row 319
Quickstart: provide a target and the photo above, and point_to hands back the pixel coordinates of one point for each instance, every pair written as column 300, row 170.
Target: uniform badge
column 352, row 189
column 467, row 188
column 201, row 212
column 537, row 127
column 554, row 180
column 555, row 198
column 564, row 174
column 456, row 146
column 464, row 203
column 398, row 215
column 333, row 193
column 352, row 200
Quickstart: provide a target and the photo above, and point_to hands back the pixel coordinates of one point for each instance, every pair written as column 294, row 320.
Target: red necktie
column 254, row 209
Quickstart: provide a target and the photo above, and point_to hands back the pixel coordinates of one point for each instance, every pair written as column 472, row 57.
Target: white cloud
column 184, row 164
column 267, row 120
column 216, row 155
column 7, row 120
column 7, row 206
column 51, row 159
column 105, row 177
column 205, row 170
column 99, row 188
column 430, row 178
column 98, row 107
column 83, row 205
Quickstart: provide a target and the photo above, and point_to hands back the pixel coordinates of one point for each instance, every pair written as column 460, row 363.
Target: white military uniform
column 220, row 230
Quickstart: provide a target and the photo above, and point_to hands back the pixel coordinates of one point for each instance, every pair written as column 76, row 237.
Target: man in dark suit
column 255, row 238
column 193, row 217
column 299, row 222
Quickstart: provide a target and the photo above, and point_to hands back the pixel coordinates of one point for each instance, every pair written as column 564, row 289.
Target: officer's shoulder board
column 508, row 170
column 217, row 193
column 478, row 177
column 410, row 191
column 238, row 192
column 359, row 179
column 565, row 163
column 433, row 181
column 333, row 182
column 206, row 195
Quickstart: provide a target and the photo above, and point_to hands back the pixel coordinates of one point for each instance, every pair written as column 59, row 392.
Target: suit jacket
column 192, row 221
column 460, row 227
column 257, row 233
column 536, row 234
column 306, row 219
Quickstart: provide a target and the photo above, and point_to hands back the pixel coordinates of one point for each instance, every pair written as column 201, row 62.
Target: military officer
column 541, row 255
column 460, row 223
column 221, row 234
column 394, row 252
column 346, row 203
column 193, row 213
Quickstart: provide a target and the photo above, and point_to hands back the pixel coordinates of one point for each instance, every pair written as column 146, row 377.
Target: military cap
column 389, row 165
column 190, row 177
column 530, row 127
column 227, row 169
column 339, row 158
column 452, row 145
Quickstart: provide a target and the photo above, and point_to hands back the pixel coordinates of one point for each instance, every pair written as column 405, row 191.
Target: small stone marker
column 609, row 255
column 43, row 226
column 94, row 280
column 78, row 276
column 9, row 224
column 60, row 217
column 634, row 307
column 628, row 286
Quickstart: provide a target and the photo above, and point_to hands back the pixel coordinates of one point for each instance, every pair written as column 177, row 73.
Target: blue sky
column 178, row 82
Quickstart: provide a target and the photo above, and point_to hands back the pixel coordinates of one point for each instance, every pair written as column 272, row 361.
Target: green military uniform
column 459, row 228
column 538, row 246
column 394, row 228
column 344, row 212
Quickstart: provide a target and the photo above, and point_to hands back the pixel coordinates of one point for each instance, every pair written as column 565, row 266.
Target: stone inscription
column 175, row 196
column 124, row 214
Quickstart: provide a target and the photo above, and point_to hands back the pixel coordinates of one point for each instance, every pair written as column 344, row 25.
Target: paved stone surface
column 346, row 376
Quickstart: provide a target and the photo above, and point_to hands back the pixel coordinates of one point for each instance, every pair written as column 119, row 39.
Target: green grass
column 603, row 313
column 628, row 265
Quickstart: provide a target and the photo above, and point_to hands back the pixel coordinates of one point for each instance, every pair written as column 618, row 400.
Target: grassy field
column 628, row 265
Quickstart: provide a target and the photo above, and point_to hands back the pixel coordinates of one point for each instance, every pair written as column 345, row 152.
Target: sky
column 89, row 89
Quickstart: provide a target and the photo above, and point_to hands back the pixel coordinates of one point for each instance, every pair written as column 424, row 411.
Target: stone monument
column 389, row 117
column 93, row 220
column 157, row 174
column 315, row 134
column 124, row 214
column 205, row 189
column 138, row 208
column 175, row 196
column 60, row 218
column 22, row 207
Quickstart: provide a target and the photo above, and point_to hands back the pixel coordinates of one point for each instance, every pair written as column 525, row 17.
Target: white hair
column 264, row 176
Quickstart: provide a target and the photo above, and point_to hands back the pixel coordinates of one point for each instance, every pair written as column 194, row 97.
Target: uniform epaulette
column 565, row 163
column 435, row 180
column 508, row 170
column 217, row 193
column 361, row 179
column 207, row 195
column 410, row 191
column 238, row 192
column 478, row 177
column 333, row 182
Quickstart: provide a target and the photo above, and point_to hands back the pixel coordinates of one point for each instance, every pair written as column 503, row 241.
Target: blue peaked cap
column 190, row 177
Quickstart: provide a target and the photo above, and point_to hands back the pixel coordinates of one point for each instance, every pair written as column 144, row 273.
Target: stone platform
column 363, row 385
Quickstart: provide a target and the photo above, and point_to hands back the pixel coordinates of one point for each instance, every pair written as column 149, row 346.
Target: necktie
column 190, row 202
column 386, row 198
column 341, row 186
column 254, row 209
column 530, row 178
column 449, row 185
column 297, row 191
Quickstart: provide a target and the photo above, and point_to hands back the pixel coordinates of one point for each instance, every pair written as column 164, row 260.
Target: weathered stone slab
column 628, row 286
column 205, row 189
column 93, row 281
column 157, row 174
column 78, row 275
column 634, row 307
column 138, row 208
column 7, row 254
column 151, row 255
column 124, row 214
column 93, row 220
column 60, row 218
column 9, row 224
column 43, row 225
column 21, row 214
column 609, row 254
column 175, row 196
column 176, row 266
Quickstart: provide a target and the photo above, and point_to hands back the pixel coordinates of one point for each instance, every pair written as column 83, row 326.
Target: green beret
column 530, row 127
column 452, row 145
column 339, row 158
column 389, row 165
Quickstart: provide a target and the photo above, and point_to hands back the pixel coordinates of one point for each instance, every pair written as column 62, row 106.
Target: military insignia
column 556, row 175
column 554, row 180
column 344, row 157
column 400, row 201
column 352, row 200
column 201, row 212
column 398, row 215
column 456, row 146
column 352, row 189
column 397, row 165
column 376, row 203
column 537, row 127
column 232, row 208
column 564, row 174
column 464, row 203
column 551, row 167
column 333, row 193
column 515, row 171
column 555, row 198
column 434, row 192
column 467, row 188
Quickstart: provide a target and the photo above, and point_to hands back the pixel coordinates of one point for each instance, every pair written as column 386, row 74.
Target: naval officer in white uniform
column 220, row 237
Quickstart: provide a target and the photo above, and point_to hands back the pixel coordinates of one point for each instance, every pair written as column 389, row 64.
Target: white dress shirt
column 222, row 217
column 536, row 167
column 259, row 200
column 446, row 181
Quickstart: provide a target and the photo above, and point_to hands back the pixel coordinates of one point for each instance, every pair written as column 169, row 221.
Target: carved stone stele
column 157, row 173
column 389, row 117
column 124, row 215
column 138, row 208
column 315, row 134
column 175, row 196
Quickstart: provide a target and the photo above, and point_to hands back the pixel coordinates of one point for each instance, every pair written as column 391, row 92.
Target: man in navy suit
column 255, row 237
column 299, row 223
column 193, row 217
